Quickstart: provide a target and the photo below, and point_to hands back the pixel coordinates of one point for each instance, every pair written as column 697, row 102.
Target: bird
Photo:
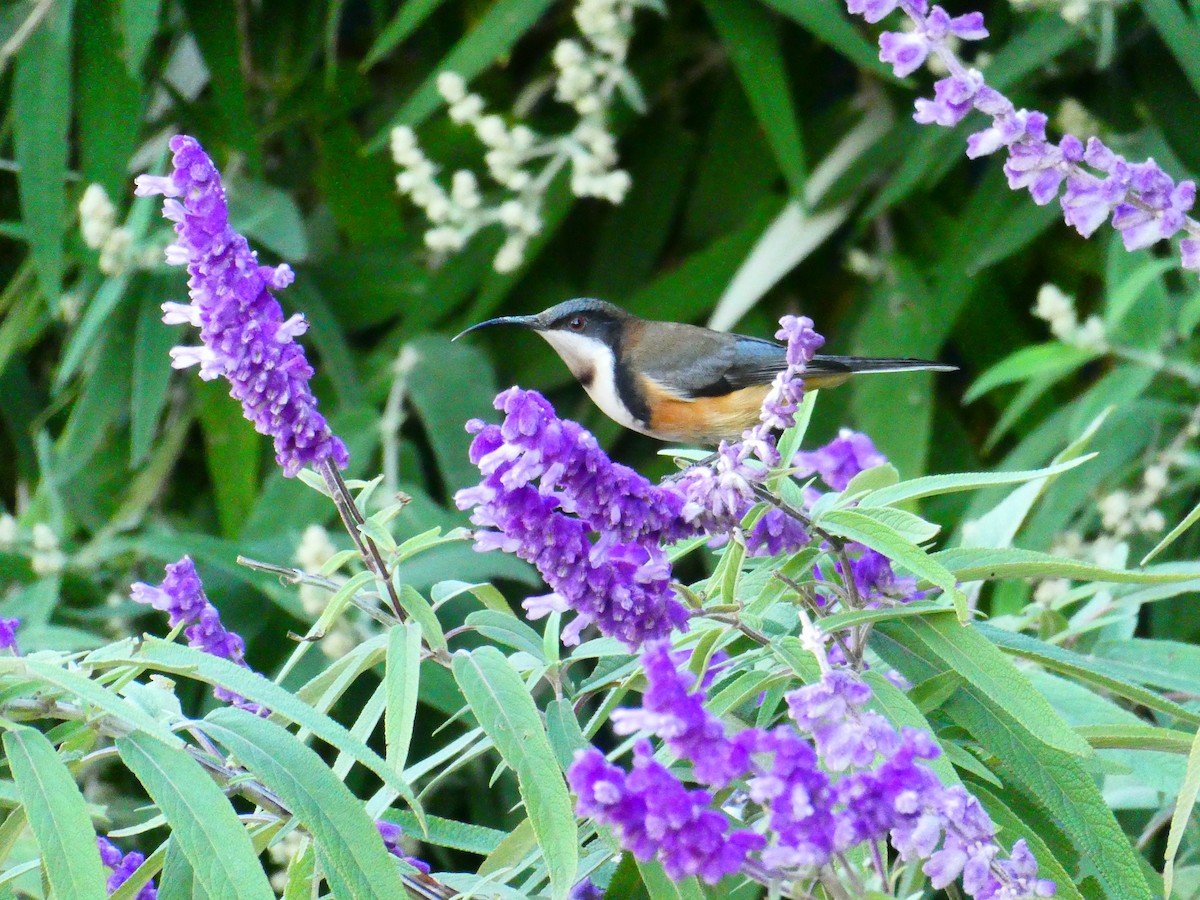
column 676, row 382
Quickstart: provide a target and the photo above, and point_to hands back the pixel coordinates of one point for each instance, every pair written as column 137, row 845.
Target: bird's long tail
column 828, row 371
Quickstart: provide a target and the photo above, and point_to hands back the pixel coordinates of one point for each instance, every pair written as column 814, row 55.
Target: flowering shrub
column 949, row 651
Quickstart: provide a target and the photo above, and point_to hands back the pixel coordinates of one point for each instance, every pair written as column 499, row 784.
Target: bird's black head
column 588, row 318
column 584, row 316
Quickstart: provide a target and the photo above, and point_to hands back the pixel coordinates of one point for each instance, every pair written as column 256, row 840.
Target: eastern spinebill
column 676, row 382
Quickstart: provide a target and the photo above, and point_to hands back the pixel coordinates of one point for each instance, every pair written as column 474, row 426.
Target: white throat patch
column 584, row 355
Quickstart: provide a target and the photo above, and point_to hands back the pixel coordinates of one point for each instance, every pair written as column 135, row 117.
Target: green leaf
column 504, row 708
column 1182, row 37
column 109, row 102
column 402, row 676
column 41, row 118
column 751, row 39
column 934, row 485
column 233, row 450
column 1184, row 805
column 1011, row 824
column 501, row 26
column 1046, row 361
column 861, row 526
column 449, row 384
column 1172, row 665
column 442, row 832
column 1083, row 668
column 349, row 848
column 268, row 215
column 152, row 341
column 1059, row 783
column 1188, row 521
column 787, row 240
column 139, row 22
column 828, row 23
column 508, row 630
column 1137, row 737
column 407, row 20
column 202, row 822
column 214, row 670
column 57, row 814
column 988, row 564
column 418, row 608
column 991, row 677
column 215, row 26
column 84, row 689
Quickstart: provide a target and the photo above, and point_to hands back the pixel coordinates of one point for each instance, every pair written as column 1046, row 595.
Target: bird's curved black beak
column 520, row 321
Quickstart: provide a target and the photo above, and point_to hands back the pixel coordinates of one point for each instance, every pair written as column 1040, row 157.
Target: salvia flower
column 1143, row 203
column 547, row 489
column 840, row 460
column 391, row 834
column 838, row 776
column 244, row 336
column 8, row 633
column 181, row 595
column 122, row 865
column 656, row 817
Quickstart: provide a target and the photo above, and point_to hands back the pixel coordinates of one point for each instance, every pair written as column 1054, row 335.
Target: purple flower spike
column 654, row 815
column 122, row 866
column 841, row 459
column 244, row 335
column 181, row 595
column 1145, row 203
column 8, row 633
column 391, row 834
column 680, row 719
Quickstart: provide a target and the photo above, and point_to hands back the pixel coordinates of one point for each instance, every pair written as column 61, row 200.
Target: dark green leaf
column 41, row 117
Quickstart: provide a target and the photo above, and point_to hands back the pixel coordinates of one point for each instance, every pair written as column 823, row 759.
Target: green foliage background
column 748, row 109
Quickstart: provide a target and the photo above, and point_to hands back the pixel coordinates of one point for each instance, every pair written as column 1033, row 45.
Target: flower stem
column 352, row 519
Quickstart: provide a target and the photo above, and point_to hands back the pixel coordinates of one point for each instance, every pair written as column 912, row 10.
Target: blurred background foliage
column 776, row 169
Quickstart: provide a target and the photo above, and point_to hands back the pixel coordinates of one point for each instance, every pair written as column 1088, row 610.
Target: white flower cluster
column 100, row 231
column 1123, row 513
column 98, row 225
column 1058, row 309
column 521, row 162
column 41, row 546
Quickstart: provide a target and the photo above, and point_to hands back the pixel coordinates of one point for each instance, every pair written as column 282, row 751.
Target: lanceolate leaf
column 991, row 677
column 57, row 815
column 349, row 847
column 504, row 708
column 41, row 116
column 202, row 821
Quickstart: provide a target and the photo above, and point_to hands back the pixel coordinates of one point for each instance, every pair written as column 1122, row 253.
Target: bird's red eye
column 577, row 323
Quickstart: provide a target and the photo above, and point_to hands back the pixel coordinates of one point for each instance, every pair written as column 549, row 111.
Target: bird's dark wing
column 712, row 364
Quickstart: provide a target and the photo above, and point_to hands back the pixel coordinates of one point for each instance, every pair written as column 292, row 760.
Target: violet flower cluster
column 837, row 777
column 391, row 834
column 547, row 487
column 8, row 633
column 1143, row 203
column 122, row 866
column 244, row 335
column 181, row 596
column 596, row 529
